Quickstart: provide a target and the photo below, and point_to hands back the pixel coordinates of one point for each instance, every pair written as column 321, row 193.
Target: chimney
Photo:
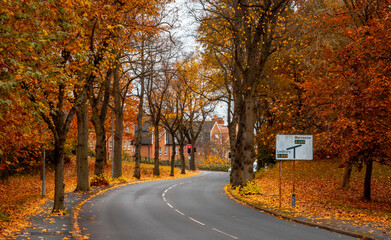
column 219, row 120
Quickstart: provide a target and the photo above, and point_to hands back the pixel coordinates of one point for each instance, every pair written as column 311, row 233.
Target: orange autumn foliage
column 351, row 88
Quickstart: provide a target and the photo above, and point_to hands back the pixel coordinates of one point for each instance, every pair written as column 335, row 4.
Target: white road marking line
column 203, row 224
column 179, row 212
column 192, row 219
column 217, row 230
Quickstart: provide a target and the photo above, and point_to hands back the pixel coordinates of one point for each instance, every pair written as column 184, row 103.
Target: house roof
column 169, row 139
column 206, row 131
column 208, row 126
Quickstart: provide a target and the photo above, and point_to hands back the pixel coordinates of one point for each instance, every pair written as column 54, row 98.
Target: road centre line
column 192, row 219
column 229, row 235
column 203, row 224
column 181, row 213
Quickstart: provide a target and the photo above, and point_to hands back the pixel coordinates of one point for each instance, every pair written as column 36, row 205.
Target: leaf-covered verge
column 214, row 162
column 20, row 195
column 319, row 193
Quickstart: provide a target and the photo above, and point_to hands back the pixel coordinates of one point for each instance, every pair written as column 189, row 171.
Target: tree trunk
column 346, row 176
column 156, row 170
column 182, row 155
column 232, row 124
column 58, row 206
column 60, row 128
column 99, row 106
column 244, row 146
column 192, row 159
column 252, row 47
column 367, row 182
column 100, row 146
column 118, row 137
column 173, row 155
column 82, row 149
column 136, row 173
column 119, row 125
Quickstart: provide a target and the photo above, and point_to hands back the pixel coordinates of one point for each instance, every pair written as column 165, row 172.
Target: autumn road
column 190, row 208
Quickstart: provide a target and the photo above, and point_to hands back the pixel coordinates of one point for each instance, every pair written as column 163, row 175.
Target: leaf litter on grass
column 319, row 194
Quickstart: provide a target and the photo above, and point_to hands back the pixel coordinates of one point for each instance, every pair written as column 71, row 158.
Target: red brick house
column 213, row 139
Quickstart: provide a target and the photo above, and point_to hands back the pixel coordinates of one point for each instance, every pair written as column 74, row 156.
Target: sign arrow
column 294, row 150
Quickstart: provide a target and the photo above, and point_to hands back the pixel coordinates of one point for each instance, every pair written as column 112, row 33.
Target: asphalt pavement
column 189, row 208
column 195, row 208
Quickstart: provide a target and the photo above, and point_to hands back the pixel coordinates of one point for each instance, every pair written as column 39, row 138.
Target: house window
column 166, row 137
column 160, row 150
column 129, row 144
column 111, row 145
column 165, row 150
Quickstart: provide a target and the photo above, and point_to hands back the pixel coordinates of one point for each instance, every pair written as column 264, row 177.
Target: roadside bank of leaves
column 319, row 194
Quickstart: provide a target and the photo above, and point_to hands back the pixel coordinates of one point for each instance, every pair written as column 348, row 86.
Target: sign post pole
column 280, row 182
column 293, row 189
column 43, row 173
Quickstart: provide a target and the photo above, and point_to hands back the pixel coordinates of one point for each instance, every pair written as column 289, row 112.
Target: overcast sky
column 186, row 32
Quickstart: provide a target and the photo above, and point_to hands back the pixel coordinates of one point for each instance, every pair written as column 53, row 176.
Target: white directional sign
column 294, row 147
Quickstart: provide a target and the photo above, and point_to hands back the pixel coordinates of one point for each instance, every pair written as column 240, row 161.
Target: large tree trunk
column 82, row 149
column 244, row 146
column 367, row 182
column 119, row 125
column 236, row 176
column 118, row 137
column 252, row 47
column 346, row 176
column 60, row 128
column 99, row 105
column 156, row 170
column 58, row 206
column 100, row 148
column 232, row 124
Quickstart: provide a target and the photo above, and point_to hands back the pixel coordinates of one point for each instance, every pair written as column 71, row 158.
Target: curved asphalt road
column 190, row 208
